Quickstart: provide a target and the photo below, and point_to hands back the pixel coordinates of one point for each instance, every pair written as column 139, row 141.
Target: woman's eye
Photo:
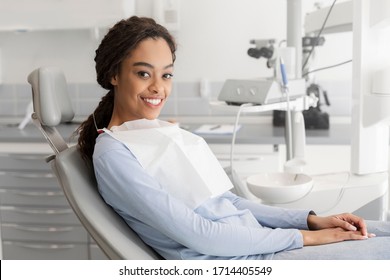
column 143, row 74
column 168, row 76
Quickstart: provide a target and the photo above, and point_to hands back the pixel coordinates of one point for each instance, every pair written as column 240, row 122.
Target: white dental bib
column 180, row 161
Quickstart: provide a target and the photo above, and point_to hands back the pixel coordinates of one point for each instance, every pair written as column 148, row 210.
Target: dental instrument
column 285, row 90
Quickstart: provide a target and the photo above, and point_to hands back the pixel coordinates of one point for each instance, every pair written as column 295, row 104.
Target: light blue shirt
column 224, row 227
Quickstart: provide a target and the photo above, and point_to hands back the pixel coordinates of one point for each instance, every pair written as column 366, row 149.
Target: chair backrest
column 52, row 106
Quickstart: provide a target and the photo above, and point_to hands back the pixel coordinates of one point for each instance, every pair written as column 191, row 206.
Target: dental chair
column 52, row 107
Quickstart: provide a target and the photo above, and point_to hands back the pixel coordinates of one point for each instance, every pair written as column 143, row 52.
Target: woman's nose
column 156, row 86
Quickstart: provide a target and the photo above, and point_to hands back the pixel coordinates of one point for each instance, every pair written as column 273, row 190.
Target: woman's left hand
column 345, row 221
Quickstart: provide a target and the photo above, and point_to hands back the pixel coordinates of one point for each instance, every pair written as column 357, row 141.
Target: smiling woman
column 169, row 187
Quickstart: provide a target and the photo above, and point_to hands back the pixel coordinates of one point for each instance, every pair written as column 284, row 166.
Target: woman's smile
column 152, row 101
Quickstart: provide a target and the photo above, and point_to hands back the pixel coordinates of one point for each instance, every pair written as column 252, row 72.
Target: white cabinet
column 36, row 219
column 248, row 159
column 62, row 14
column 323, row 159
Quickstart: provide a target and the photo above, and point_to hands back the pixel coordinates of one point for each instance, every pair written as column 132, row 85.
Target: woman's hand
column 345, row 221
column 329, row 235
column 334, row 228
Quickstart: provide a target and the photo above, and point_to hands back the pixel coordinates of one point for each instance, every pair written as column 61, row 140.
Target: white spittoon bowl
column 279, row 188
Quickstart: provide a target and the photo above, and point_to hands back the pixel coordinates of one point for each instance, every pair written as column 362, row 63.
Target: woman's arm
column 316, row 230
column 270, row 216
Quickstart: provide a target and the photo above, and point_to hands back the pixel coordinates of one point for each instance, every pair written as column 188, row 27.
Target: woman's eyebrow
column 150, row 65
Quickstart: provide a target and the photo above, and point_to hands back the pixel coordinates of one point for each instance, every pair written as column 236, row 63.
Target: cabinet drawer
column 29, row 232
column 36, row 179
column 36, row 197
column 23, row 161
column 44, row 216
column 44, row 251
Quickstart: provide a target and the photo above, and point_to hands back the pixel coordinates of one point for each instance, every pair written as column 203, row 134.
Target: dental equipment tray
column 259, row 91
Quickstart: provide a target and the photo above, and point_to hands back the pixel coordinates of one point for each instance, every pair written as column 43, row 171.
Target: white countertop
column 254, row 130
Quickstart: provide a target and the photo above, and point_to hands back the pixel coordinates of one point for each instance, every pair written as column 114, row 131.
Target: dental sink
column 279, row 187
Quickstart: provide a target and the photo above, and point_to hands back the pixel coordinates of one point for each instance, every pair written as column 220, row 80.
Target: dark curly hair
column 115, row 47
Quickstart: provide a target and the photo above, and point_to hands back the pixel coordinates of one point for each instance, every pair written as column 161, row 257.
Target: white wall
column 213, row 41
column 73, row 51
column 214, row 37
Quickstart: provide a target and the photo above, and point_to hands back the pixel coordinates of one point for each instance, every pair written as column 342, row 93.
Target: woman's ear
column 114, row 80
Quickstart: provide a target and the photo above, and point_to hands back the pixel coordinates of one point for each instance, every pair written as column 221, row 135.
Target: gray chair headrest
column 51, row 101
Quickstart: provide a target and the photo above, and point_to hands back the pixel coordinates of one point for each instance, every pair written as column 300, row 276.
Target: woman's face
column 143, row 83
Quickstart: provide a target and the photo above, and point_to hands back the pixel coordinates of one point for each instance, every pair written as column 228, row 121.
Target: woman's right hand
column 330, row 235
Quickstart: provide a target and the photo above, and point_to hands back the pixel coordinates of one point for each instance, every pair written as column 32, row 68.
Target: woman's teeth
column 153, row 101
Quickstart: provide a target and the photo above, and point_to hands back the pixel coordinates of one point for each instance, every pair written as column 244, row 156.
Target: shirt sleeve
column 271, row 216
column 125, row 185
